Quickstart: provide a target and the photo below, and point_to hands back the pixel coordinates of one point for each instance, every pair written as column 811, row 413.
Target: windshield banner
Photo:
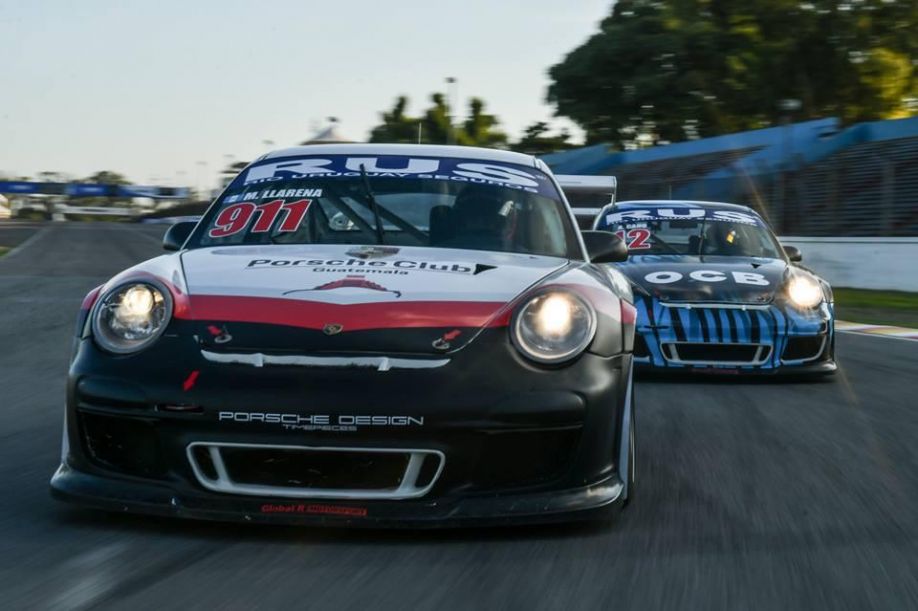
column 635, row 217
column 398, row 166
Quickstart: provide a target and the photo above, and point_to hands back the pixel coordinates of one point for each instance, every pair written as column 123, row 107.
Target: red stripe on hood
column 353, row 317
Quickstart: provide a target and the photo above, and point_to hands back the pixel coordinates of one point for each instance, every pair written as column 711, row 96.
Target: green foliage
column 106, row 178
column 876, row 307
column 437, row 129
column 679, row 69
column 103, row 177
column 396, row 125
column 536, row 140
column 480, row 129
column 52, row 176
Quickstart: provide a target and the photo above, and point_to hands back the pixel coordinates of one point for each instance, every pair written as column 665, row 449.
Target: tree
column 479, row 129
column 437, row 128
column 396, row 126
column 536, row 140
column 105, row 177
column 51, row 176
column 676, row 69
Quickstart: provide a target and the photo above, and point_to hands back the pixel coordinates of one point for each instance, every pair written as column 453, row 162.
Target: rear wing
column 587, row 195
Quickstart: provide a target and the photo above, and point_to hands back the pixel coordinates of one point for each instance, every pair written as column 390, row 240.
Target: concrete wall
column 866, row 263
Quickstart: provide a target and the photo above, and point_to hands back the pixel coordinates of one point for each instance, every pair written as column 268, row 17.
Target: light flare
column 555, row 317
column 804, row 292
column 136, row 306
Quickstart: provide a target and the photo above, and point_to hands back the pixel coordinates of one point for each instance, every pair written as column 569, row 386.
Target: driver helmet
column 482, row 210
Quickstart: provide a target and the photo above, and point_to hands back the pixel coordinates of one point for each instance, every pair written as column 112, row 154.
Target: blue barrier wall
column 809, row 178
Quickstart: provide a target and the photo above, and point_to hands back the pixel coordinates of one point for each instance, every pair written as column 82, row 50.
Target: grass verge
column 896, row 308
column 4, row 250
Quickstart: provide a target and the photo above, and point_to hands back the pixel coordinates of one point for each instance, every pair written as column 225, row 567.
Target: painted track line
column 27, row 242
column 876, row 330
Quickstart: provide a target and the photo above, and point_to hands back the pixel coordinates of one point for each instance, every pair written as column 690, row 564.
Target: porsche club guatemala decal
column 400, row 266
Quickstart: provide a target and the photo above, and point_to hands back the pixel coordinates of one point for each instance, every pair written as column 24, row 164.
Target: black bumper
column 106, row 493
column 823, row 367
column 521, row 443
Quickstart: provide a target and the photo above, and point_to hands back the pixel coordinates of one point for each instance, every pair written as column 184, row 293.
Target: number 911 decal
column 236, row 218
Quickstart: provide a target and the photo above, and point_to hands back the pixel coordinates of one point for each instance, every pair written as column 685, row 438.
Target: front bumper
column 521, row 443
column 730, row 339
column 107, row 493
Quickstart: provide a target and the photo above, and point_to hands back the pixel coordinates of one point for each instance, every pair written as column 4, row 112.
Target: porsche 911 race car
column 716, row 292
column 362, row 334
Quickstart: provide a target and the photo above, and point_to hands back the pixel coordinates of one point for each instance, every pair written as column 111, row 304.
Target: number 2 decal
column 637, row 238
column 235, row 218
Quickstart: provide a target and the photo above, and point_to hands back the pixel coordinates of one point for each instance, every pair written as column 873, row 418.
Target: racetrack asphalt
column 751, row 494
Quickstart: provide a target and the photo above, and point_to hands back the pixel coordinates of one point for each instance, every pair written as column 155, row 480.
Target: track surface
column 753, row 495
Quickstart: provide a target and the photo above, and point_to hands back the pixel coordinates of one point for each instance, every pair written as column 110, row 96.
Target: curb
column 877, row 330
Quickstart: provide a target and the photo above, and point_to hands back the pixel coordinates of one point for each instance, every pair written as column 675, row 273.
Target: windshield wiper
column 368, row 193
column 704, row 222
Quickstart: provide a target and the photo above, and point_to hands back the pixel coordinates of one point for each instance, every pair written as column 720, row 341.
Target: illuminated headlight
column 553, row 327
column 130, row 317
column 804, row 292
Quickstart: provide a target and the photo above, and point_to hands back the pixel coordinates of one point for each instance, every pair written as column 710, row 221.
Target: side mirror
column 604, row 247
column 177, row 234
column 793, row 253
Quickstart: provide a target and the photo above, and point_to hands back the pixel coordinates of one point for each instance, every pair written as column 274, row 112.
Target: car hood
column 345, row 298
column 700, row 279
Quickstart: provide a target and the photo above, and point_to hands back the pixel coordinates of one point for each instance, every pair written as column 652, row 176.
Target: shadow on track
column 101, row 521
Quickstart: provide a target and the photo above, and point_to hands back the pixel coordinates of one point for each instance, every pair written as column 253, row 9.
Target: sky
column 170, row 92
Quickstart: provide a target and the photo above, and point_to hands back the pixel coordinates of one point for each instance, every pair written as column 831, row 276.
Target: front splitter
column 596, row 501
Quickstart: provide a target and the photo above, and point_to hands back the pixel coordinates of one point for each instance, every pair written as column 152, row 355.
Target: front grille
column 803, row 348
column 330, row 470
column 312, row 472
column 204, row 462
column 703, row 353
column 126, row 445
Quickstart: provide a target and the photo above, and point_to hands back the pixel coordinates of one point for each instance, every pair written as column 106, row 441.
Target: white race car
column 362, row 334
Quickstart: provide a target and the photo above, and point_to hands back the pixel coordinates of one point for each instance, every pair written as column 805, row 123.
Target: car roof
column 684, row 203
column 420, row 150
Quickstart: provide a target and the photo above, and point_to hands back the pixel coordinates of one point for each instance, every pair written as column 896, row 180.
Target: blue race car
column 716, row 292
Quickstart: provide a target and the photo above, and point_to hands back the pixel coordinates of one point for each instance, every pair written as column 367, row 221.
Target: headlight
column 130, row 317
column 804, row 292
column 553, row 327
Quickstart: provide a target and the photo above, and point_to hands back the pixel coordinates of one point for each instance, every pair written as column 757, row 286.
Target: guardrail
column 97, row 210
column 864, row 263
column 62, row 210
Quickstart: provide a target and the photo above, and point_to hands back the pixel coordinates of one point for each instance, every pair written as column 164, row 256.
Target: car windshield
column 691, row 231
column 434, row 202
